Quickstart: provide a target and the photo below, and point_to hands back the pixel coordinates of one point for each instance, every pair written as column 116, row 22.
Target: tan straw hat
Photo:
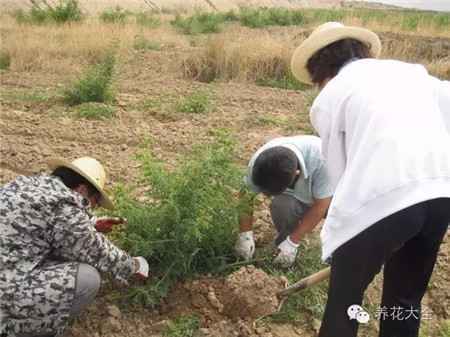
column 325, row 35
column 90, row 169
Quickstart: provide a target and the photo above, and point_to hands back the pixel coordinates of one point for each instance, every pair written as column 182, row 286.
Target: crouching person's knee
column 87, row 286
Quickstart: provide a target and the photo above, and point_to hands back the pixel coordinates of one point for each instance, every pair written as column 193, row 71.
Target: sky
column 439, row 5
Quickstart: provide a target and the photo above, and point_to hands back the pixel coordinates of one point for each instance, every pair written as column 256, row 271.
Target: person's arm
column 245, row 244
column 75, row 239
column 246, row 209
column 311, row 219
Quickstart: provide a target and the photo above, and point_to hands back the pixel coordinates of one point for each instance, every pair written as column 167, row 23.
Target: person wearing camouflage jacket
column 47, row 241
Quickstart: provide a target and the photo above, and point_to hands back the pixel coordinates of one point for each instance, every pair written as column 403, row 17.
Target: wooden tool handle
column 306, row 282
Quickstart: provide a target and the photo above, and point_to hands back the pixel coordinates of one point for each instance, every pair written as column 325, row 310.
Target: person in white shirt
column 385, row 130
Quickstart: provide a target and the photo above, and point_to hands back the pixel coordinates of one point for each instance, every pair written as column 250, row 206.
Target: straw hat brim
column 105, row 201
column 319, row 40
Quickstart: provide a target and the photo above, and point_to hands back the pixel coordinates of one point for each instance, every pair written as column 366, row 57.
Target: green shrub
column 183, row 326
column 42, row 12
column 198, row 102
column 94, row 85
column 95, row 110
column 142, row 43
column 261, row 17
column 148, row 19
column 5, row 59
column 189, row 224
column 199, row 23
column 115, row 15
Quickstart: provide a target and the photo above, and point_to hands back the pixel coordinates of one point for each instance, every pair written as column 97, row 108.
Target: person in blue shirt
column 292, row 172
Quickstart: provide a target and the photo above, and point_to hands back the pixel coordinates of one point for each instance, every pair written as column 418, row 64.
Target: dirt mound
column 247, row 294
column 228, row 306
column 251, row 293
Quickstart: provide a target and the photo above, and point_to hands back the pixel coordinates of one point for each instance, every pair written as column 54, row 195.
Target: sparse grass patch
column 199, row 23
column 286, row 82
column 142, row 43
column 93, row 110
column 116, row 15
column 262, row 17
column 5, row 59
column 199, row 102
column 42, row 12
column 311, row 300
column 26, row 96
column 319, row 15
column 188, row 225
column 183, row 326
column 444, row 330
column 95, row 85
column 148, row 19
column 267, row 120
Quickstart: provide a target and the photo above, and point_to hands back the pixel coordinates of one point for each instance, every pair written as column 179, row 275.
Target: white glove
column 142, row 267
column 245, row 245
column 288, row 252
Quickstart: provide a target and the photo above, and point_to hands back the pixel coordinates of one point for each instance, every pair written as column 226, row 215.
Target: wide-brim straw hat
column 325, row 35
column 90, row 169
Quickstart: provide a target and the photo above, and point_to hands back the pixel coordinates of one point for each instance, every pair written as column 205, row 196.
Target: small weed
column 142, row 43
column 199, row 23
column 42, row 12
column 5, row 60
column 34, row 96
column 93, row 110
column 150, row 103
column 268, row 120
column 286, row 82
column 148, row 19
column 198, row 102
column 116, row 15
column 183, row 326
column 94, row 85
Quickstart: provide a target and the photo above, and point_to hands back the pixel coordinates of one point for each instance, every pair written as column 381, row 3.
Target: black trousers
column 407, row 244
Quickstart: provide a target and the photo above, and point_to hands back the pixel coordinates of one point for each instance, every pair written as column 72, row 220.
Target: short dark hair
column 72, row 179
column 327, row 62
column 274, row 170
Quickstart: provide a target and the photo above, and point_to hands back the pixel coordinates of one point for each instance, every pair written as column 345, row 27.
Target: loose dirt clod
column 252, row 293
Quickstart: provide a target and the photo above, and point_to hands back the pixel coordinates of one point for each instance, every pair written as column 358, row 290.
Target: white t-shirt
column 385, row 129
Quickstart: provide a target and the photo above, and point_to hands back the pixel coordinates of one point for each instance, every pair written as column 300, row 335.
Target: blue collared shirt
column 313, row 182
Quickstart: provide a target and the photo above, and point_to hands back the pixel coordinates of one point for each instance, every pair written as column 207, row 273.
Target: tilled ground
column 34, row 130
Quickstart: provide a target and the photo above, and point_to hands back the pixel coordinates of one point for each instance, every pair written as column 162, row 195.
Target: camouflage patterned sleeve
column 75, row 239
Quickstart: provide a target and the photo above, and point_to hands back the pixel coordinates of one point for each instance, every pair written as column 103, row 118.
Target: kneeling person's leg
column 56, row 296
column 87, row 286
column 286, row 212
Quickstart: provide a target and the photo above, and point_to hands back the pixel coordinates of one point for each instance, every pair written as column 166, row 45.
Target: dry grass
column 66, row 48
column 238, row 54
column 233, row 56
column 250, row 57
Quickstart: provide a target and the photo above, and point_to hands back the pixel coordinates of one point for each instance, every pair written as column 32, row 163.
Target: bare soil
column 32, row 131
